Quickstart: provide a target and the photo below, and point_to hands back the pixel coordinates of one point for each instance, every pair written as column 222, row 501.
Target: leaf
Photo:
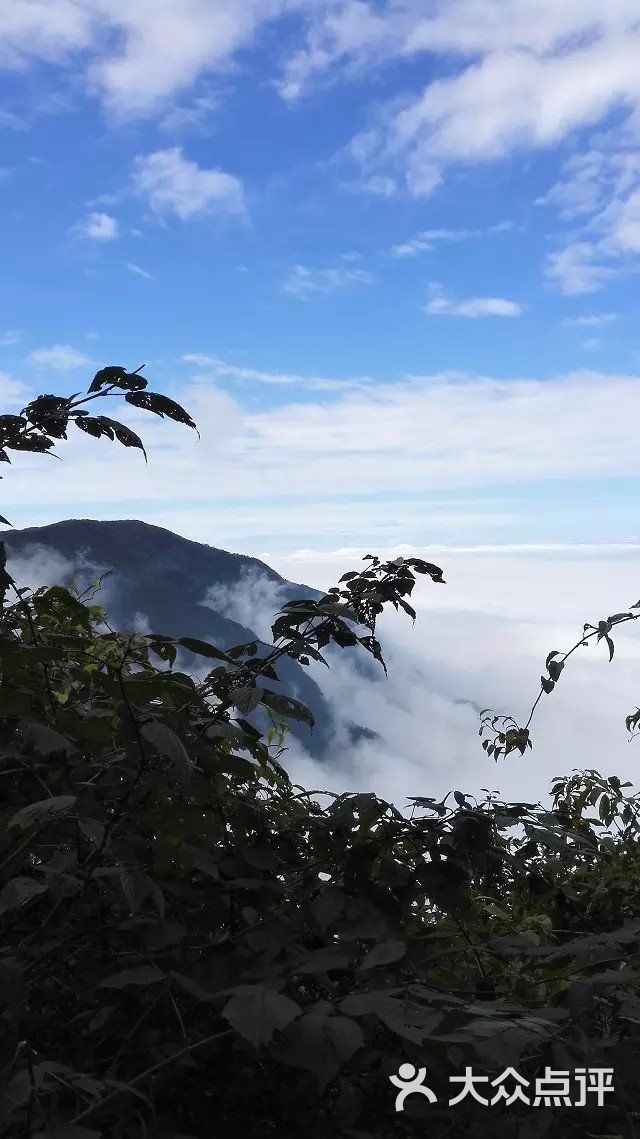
column 100, row 1018
column 406, row 1018
column 93, row 425
column 246, row 698
column 42, row 811
column 99, row 425
column 109, row 375
column 329, row 957
column 610, row 647
column 137, row 887
column 364, row 1004
column 287, row 706
column 167, row 743
column 13, row 702
column 320, row 1044
column 68, row 1131
column 444, row 883
column 161, row 405
column 140, row 975
column 17, row 892
column 338, row 609
column 410, row 1020
column 93, row 830
column 46, row 740
column 191, row 987
column 260, row 856
column 202, row 648
column 124, row 435
column 226, row 731
column 256, row 1013
column 384, row 954
column 327, row 906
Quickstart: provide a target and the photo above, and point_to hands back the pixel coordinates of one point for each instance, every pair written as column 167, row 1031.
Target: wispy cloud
column 602, row 189
column 10, row 121
column 10, row 337
column 59, row 358
column 134, row 64
column 174, row 185
column 138, row 270
column 439, row 304
column 97, row 227
column 523, row 84
column 350, row 462
column 220, row 367
column 427, row 239
column 578, row 269
column 195, row 116
column 12, row 392
column 589, row 320
column 303, row 283
column 508, row 608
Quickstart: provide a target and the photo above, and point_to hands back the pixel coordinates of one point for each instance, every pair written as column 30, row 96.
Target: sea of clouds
column 480, row 640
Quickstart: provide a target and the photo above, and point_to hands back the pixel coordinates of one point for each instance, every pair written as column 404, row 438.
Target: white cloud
column 97, row 227
column 138, row 270
column 527, row 74
column 172, row 184
column 303, row 283
column 589, row 320
column 12, row 122
column 380, row 185
column 350, row 462
column 512, row 76
column 441, row 305
column 194, row 117
column 47, row 31
column 136, row 57
column 252, row 603
column 508, row 609
column 60, row 358
column 526, row 71
column 428, row 238
column 592, row 344
column 578, row 268
column 12, row 391
column 10, row 337
column 220, row 367
column 625, row 223
column 580, row 190
column 603, row 187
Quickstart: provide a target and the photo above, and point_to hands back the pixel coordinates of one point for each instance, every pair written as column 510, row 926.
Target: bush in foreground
column 191, row 945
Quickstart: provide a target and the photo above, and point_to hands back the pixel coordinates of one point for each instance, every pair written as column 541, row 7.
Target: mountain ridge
column 165, row 578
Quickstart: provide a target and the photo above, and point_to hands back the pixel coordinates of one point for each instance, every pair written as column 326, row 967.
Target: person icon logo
column 409, row 1079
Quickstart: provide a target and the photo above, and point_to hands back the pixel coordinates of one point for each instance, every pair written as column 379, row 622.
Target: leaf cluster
column 189, row 942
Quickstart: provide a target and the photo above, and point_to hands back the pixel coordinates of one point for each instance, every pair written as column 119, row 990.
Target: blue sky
column 385, row 252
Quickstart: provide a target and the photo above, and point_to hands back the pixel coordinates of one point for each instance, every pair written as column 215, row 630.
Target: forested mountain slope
column 164, row 580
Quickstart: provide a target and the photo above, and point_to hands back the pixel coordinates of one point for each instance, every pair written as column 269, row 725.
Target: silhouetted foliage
column 191, row 945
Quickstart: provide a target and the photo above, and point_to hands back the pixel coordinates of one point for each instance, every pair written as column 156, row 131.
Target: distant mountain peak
column 166, row 582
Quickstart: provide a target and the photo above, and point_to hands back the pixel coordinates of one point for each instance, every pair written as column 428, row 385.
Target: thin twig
column 151, row 1071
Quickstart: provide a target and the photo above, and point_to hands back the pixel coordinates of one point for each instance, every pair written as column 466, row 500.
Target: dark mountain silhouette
column 165, row 579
